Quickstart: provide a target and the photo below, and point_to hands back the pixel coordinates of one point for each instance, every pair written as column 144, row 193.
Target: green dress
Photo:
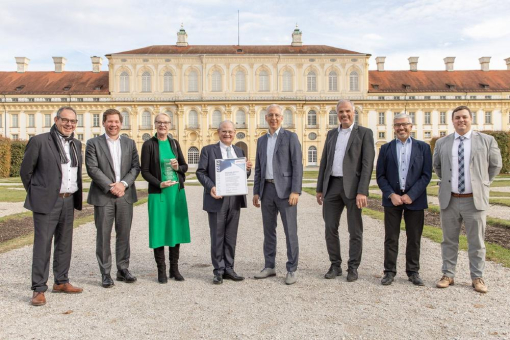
column 168, row 211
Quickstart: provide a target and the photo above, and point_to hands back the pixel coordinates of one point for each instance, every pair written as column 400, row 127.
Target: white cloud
column 490, row 29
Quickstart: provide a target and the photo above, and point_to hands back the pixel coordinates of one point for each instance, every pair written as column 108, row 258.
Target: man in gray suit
column 51, row 174
column 466, row 162
column 113, row 165
column 223, row 212
column 277, row 184
column 344, row 176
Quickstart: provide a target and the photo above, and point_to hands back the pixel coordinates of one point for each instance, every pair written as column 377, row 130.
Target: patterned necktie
column 462, row 184
column 229, row 152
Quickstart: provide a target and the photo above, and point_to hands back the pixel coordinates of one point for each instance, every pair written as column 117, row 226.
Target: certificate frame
column 231, row 179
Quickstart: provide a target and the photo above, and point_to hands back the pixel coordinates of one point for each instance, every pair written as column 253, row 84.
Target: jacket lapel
column 217, row 151
column 475, row 139
column 354, row 134
column 414, row 151
column 263, row 154
column 104, row 145
column 125, row 156
column 54, row 150
column 393, row 151
column 449, row 145
column 279, row 139
column 332, row 145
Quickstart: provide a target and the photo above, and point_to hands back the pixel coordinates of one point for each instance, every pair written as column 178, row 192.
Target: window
column 442, row 97
column 354, row 81
column 442, row 118
column 427, row 134
column 171, row 116
column 146, row 137
column 262, row 119
column 95, row 120
column 356, row 117
column 146, row 82
column 382, row 135
column 31, row 99
column 382, row 118
column 488, row 97
column 216, row 119
column 125, row 119
column 47, row 120
column 488, row 117
column 146, row 120
column 80, row 136
column 396, row 97
column 312, row 136
column 427, row 117
column 312, row 118
column 1, row 121
column 332, row 118
column 14, row 121
column 168, row 82
column 263, row 81
column 95, row 99
column 193, row 81
column 240, row 119
column 31, row 120
column 240, row 81
column 333, row 81
column 380, row 97
column 474, row 117
column 193, row 119
column 412, row 115
column 287, row 81
column 96, row 135
column 287, row 118
column 442, row 133
column 14, row 136
column 216, row 81
column 311, row 82
column 413, row 134
column 472, row 97
column 124, row 82
column 412, row 97
column 427, row 97
column 47, row 99
column 193, row 155
column 312, row 155
column 458, row 97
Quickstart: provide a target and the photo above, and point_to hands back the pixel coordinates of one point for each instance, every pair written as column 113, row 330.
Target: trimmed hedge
column 433, row 143
column 5, row 156
column 17, row 152
column 503, row 139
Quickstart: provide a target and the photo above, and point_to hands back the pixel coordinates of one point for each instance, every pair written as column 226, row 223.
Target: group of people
column 466, row 162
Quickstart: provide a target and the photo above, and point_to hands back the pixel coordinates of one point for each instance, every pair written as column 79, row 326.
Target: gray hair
column 162, row 114
column 403, row 115
column 226, row 122
column 342, row 101
column 65, row 108
column 274, row 105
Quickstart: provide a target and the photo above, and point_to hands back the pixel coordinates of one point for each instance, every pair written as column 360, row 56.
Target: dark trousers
column 223, row 226
column 334, row 203
column 58, row 224
column 414, row 220
column 121, row 211
column 271, row 205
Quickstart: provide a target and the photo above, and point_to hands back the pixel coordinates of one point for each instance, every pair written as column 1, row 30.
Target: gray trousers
column 58, row 224
column 463, row 209
column 271, row 205
column 122, row 212
column 223, row 227
column 334, row 203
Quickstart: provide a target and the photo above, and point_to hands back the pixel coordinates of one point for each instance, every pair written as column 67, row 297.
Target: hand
column 361, row 201
column 406, row 199
column 117, row 189
column 248, row 165
column 174, row 164
column 319, row 197
column 167, row 184
column 293, row 198
column 213, row 193
column 396, row 199
column 256, row 202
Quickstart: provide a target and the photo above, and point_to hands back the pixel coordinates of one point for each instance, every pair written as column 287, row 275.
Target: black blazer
column 151, row 169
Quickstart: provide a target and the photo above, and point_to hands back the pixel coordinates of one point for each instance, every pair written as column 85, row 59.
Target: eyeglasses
column 72, row 121
column 401, row 125
column 162, row 123
column 227, row 132
column 273, row 115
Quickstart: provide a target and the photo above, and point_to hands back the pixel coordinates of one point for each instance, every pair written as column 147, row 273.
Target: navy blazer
column 418, row 176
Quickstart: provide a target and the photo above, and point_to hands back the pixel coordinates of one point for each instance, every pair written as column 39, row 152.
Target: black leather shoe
column 126, row 276
column 231, row 275
column 416, row 279
column 352, row 274
column 217, row 280
column 387, row 279
column 333, row 272
column 106, row 281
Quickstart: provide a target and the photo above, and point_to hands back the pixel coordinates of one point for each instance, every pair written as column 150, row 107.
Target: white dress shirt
column 337, row 169
column 271, row 144
column 467, row 161
column 69, row 183
column 223, row 149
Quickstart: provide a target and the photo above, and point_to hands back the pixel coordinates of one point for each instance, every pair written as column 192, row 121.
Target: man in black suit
column 224, row 212
column 51, row 174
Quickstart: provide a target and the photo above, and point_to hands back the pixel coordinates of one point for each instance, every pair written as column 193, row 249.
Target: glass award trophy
column 170, row 173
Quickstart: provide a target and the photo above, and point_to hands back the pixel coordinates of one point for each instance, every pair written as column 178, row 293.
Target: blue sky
column 430, row 29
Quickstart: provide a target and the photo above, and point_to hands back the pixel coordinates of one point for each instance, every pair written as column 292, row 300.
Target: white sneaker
column 265, row 273
column 291, row 278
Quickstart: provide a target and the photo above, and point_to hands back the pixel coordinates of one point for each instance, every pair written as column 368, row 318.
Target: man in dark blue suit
column 404, row 169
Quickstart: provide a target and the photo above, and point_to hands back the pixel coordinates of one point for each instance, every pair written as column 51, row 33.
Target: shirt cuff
column 125, row 184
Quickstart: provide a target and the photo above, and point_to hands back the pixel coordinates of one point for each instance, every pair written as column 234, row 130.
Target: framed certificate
column 231, row 179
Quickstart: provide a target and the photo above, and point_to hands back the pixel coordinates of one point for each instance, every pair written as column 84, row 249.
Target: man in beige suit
column 466, row 163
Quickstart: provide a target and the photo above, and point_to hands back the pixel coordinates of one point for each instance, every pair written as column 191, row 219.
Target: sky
column 396, row 29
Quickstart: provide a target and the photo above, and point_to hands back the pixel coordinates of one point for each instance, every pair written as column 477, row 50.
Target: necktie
column 462, row 184
column 229, row 152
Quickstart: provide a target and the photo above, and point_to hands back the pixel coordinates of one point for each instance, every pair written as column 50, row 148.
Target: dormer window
column 99, row 87
column 484, row 86
column 19, row 88
column 451, row 86
column 406, row 86
column 375, row 86
column 67, row 88
column 239, row 50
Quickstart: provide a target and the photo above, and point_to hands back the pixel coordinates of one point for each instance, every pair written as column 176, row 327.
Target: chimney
column 296, row 37
column 60, row 63
column 380, row 63
column 97, row 62
column 507, row 63
column 448, row 63
column 484, row 63
column 22, row 63
column 413, row 63
column 182, row 37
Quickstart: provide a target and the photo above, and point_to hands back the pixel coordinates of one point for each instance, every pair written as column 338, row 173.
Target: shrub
column 5, row 156
column 17, row 152
column 503, row 139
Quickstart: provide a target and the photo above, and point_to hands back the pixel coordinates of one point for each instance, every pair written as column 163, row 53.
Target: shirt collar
column 466, row 135
column 275, row 133
column 108, row 138
column 224, row 147
column 349, row 129
column 408, row 140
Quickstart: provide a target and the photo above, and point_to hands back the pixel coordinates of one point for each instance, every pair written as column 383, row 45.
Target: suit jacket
column 206, row 174
column 41, row 174
column 287, row 165
column 418, row 175
column 99, row 162
column 358, row 161
column 485, row 164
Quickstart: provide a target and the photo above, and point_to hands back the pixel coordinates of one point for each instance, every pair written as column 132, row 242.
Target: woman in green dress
column 164, row 167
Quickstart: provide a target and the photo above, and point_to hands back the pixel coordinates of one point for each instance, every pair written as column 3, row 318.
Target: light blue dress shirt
column 271, row 143
column 404, row 159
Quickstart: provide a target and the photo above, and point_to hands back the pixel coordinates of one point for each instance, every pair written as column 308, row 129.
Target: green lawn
column 12, row 194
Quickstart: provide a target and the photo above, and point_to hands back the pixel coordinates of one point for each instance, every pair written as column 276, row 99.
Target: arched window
column 240, row 81
column 146, row 120
column 311, row 82
column 171, row 116
column 263, row 81
column 356, row 117
column 262, row 119
column 216, row 81
column 287, row 81
column 333, row 81
column 146, row 137
column 193, row 155
column 193, row 81
column 124, row 82
column 240, row 119
column 193, row 119
column 168, row 82
column 125, row 119
column 125, row 135
column 312, row 118
column 146, row 82
column 287, row 118
column 332, row 118
column 216, row 119
column 354, row 81
column 312, row 155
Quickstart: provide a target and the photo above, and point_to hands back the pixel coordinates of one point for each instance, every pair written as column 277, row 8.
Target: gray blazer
column 357, row 165
column 99, row 163
column 485, row 164
column 287, row 165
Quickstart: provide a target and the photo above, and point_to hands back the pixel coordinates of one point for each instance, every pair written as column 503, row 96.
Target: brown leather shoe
column 445, row 282
column 38, row 299
column 66, row 288
column 479, row 285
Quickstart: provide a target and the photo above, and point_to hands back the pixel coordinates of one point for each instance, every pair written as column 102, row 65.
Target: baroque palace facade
column 200, row 85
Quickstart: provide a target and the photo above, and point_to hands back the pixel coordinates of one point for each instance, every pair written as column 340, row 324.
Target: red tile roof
column 48, row 83
column 439, row 81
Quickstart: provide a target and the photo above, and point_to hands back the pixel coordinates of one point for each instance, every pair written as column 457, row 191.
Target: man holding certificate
column 223, row 211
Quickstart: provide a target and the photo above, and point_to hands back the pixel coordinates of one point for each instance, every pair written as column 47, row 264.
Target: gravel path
column 253, row 309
